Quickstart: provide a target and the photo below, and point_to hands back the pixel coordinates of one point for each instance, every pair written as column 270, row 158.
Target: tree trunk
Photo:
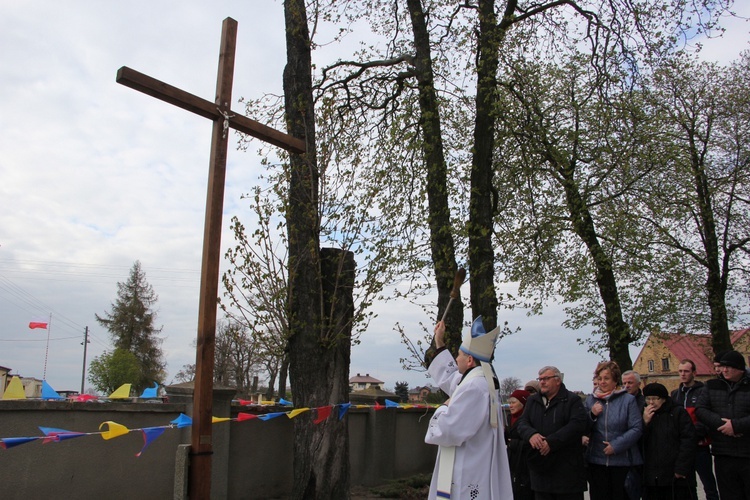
column 283, row 374
column 271, row 382
column 318, row 346
column 716, row 285
column 442, row 245
column 481, row 252
column 618, row 331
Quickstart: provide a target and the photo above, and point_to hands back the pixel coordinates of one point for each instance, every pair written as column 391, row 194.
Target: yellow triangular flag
column 115, row 429
column 296, row 412
column 122, row 392
column 14, row 389
column 219, row 419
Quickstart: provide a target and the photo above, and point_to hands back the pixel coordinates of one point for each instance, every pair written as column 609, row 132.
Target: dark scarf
column 515, row 416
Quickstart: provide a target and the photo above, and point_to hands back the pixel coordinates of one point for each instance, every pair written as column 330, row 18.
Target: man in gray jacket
column 724, row 408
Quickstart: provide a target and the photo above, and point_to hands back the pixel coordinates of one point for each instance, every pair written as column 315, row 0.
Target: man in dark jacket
column 631, row 381
column 668, row 447
column 553, row 422
column 687, row 397
column 724, row 407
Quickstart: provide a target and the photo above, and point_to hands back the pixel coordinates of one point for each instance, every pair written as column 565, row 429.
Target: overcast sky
column 95, row 175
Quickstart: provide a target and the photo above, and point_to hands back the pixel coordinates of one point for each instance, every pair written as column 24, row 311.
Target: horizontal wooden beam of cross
column 207, row 109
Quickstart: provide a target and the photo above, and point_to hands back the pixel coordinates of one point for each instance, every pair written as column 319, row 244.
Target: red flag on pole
column 39, row 323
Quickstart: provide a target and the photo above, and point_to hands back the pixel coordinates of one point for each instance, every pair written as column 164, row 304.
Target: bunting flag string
column 109, row 430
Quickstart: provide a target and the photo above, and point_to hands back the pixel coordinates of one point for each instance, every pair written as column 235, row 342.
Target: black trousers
column 733, row 477
column 558, row 496
column 680, row 489
column 607, row 483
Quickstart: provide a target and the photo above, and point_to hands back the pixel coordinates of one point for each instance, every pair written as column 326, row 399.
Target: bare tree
column 508, row 385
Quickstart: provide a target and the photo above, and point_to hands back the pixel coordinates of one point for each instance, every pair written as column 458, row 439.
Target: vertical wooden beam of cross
column 199, row 483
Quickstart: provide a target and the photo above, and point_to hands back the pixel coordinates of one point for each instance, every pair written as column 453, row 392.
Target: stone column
column 222, row 402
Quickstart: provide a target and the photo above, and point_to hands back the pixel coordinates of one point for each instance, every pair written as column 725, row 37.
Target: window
column 665, row 364
column 650, row 365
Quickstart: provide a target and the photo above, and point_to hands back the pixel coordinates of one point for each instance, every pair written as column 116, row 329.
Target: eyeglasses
column 544, row 379
column 652, row 399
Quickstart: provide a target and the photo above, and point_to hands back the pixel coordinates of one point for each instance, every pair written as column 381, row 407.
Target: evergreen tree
column 131, row 324
column 402, row 390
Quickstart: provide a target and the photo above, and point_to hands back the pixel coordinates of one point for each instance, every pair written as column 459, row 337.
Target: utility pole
column 85, row 345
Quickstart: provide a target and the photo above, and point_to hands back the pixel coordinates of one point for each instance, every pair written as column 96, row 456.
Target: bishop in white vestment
column 472, row 460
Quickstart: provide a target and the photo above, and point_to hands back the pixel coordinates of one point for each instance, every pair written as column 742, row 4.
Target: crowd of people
column 620, row 442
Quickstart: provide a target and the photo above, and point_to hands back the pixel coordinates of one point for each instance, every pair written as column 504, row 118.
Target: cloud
column 96, row 175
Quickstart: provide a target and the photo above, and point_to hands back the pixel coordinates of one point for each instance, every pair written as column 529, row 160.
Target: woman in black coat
column 669, row 447
column 518, row 449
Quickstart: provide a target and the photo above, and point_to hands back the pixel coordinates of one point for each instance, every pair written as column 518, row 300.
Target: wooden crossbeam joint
column 207, row 109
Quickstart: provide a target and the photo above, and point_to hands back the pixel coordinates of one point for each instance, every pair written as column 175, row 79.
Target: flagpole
column 46, row 351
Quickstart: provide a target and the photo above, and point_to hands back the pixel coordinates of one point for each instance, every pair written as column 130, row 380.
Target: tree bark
column 716, row 282
column 481, row 253
column 283, row 374
column 320, row 313
column 442, row 245
column 618, row 331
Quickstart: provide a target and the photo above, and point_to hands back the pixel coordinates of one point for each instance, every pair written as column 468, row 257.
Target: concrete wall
column 252, row 459
column 383, row 444
column 88, row 466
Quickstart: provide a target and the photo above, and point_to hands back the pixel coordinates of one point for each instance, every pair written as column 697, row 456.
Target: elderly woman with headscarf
column 518, row 449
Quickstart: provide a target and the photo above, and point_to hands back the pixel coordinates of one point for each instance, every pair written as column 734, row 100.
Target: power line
column 80, row 272
column 37, row 340
column 97, row 273
column 35, row 303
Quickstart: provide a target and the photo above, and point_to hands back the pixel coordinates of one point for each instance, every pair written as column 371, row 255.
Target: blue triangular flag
column 151, row 392
column 11, row 442
column 391, row 404
column 149, row 434
column 182, row 421
column 48, row 392
column 284, row 402
column 269, row 416
column 56, row 435
column 343, row 408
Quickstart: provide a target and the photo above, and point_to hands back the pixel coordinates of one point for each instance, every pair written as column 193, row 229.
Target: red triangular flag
column 245, row 416
column 323, row 413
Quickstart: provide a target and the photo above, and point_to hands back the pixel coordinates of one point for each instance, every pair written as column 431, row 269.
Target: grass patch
column 413, row 487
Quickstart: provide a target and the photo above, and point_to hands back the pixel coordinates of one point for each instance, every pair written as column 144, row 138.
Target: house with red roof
column 662, row 353
column 420, row 394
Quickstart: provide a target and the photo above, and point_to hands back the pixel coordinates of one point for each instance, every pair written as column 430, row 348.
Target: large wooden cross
column 224, row 118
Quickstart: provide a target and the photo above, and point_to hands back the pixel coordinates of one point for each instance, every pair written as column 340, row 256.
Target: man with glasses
column 724, row 407
column 554, row 422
